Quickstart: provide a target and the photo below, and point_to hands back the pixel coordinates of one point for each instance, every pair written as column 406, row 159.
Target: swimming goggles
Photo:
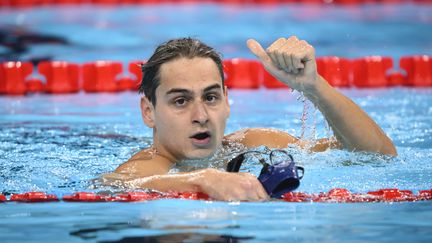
column 277, row 178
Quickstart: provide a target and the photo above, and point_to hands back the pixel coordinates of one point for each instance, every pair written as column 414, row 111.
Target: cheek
column 222, row 119
column 169, row 125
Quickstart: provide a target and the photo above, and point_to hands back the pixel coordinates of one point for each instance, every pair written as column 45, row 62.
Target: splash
column 308, row 128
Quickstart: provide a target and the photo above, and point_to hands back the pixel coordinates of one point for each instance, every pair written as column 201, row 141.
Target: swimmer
column 185, row 103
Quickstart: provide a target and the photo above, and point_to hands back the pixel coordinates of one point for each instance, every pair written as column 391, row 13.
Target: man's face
column 191, row 109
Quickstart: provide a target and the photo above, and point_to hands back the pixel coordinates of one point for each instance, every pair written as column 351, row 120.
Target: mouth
column 201, row 138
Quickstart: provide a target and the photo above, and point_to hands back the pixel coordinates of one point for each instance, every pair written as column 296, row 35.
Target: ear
column 227, row 101
column 147, row 112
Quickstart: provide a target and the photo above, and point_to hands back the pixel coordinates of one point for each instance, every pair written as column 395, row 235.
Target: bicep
column 276, row 139
column 254, row 137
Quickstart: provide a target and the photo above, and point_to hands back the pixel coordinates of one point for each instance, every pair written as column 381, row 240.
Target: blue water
column 58, row 143
column 129, row 33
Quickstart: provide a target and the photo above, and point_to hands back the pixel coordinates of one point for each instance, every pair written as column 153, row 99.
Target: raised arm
column 292, row 61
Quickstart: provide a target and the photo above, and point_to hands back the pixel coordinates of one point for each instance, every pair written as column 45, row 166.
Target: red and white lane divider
column 57, row 77
column 337, row 195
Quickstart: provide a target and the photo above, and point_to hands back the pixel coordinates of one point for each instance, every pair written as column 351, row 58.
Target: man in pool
column 185, row 103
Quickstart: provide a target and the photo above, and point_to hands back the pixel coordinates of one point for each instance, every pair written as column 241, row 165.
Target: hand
column 291, row 61
column 228, row 186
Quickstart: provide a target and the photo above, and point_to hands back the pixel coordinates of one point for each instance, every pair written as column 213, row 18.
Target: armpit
column 321, row 144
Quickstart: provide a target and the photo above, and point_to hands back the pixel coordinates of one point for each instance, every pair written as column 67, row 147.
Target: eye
column 211, row 98
column 180, row 102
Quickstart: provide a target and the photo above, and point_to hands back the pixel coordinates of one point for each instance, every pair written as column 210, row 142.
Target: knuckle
column 286, row 51
column 296, row 56
column 311, row 51
column 281, row 39
column 279, row 53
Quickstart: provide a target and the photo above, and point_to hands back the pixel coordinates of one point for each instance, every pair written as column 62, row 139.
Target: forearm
column 180, row 182
column 218, row 185
column 353, row 128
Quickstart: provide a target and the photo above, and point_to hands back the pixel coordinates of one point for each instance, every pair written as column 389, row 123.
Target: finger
column 292, row 39
column 288, row 61
column 274, row 52
column 258, row 189
column 262, row 194
column 280, row 58
column 296, row 61
column 258, row 50
column 277, row 44
column 302, row 54
column 287, row 50
column 251, row 187
column 309, row 52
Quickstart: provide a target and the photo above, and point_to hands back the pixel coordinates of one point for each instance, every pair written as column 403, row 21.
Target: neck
column 161, row 152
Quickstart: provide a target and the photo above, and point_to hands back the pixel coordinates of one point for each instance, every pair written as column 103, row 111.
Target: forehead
column 189, row 73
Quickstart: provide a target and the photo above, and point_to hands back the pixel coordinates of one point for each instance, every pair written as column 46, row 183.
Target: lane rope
column 336, row 195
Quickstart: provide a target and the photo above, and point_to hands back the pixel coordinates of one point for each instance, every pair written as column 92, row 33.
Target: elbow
column 388, row 148
column 385, row 147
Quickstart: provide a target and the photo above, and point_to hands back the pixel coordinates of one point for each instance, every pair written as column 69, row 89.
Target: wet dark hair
column 170, row 50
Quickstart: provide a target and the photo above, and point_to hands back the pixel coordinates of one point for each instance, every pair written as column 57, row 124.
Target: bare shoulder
column 145, row 163
column 254, row 137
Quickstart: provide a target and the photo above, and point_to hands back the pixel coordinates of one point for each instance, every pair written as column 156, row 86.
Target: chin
column 201, row 153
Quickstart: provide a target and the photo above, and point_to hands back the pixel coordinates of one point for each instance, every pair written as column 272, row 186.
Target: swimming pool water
column 58, row 143
column 86, row 33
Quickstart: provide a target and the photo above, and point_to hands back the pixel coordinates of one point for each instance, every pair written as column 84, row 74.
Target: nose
column 200, row 114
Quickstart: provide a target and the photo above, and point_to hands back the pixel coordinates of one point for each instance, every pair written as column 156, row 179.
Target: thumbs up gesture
column 291, row 61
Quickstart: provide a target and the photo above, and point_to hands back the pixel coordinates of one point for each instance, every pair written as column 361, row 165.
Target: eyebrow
column 214, row 86
column 186, row 91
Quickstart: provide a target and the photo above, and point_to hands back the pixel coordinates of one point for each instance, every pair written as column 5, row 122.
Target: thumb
column 258, row 51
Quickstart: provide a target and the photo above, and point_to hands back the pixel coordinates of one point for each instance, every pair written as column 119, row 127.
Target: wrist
column 199, row 179
column 319, row 89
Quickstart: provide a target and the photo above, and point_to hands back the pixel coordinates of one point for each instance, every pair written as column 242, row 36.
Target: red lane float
column 336, row 195
column 85, row 197
column 33, row 197
column 371, row 71
column 66, row 2
column 13, row 76
column 108, row 76
column 239, row 74
column 335, row 70
column 272, row 2
column 34, row 85
column 343, row 195
column 348, row 2
column 135, row 69
column 418, row 69
column 396, row 78
column 61, row 77
column 106, row 2
column 101, row 76
column 126, row 83
column 271, row 82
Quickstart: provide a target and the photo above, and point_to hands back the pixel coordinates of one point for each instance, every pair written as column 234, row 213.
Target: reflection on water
column 93, row 233
column 184, row 237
